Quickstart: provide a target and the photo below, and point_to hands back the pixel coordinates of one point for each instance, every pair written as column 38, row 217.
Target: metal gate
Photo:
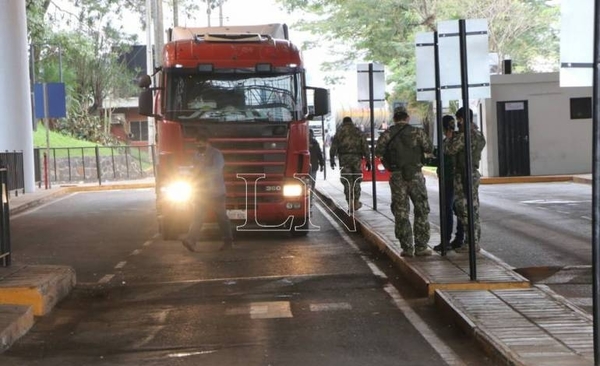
column 513, row 138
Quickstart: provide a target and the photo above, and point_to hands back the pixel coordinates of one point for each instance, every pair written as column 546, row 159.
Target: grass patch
column 57, row 140
column 63, row 146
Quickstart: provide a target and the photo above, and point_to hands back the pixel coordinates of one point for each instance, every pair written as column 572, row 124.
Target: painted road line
column 121, row 264
column 445, row 352
column 36, row 208
column 136, row 252
column 263, row 310
column 106, row 278
column 148, row 243
column 331, row 306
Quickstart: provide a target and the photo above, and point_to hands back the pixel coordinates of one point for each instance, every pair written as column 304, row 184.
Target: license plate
column 236, row 214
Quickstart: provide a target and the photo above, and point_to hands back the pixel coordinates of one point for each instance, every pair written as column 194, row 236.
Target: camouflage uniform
column 456, row 147
column 407, row 182
column 350, row 145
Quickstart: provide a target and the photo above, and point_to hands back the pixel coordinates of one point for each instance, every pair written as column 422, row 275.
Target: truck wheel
column 301, row 229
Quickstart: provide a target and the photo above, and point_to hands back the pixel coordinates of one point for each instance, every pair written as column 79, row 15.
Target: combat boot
column 465, row 248
column 423, row 251
column 408, row 252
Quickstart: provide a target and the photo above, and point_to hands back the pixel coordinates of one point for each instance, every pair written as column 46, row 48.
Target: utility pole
column 149, row 64
column 159, row 33
column 175, row 13
column 208, row 11
column 220, row 13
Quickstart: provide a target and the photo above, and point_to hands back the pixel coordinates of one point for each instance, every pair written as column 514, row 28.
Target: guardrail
column 5, row 255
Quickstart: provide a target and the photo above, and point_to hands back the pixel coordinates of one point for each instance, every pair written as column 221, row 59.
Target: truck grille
column 252, row 152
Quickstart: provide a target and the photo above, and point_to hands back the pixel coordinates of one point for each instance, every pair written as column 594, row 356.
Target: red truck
column 246, row 87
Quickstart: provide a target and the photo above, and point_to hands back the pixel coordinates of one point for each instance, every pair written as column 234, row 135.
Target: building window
column 139, row 130
column 581, row 108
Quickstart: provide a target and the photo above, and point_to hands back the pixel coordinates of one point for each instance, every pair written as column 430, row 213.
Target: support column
column 16, row 132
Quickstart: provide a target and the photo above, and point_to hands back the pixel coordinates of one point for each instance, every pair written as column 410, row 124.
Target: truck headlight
column 178, row 191
column 292, row 190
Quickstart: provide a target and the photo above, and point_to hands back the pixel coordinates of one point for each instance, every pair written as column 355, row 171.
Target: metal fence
column 98, row 163
column 12, row 161
column 4, row 220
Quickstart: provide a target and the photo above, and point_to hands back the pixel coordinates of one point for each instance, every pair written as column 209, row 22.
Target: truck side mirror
column 145, row 103
column 321, row 102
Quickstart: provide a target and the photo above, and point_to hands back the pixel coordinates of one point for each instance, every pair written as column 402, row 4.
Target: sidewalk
column 516, row 322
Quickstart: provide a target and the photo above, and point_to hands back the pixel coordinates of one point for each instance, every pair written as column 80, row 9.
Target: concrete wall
column 557, row 144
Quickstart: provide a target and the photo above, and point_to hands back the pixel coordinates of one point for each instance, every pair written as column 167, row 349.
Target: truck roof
column 274, row 30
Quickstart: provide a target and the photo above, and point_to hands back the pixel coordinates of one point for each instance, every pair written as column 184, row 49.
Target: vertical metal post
column 98, row 168
column 324, row 147
column 5, row 250
column 69, row 162
column 127, row 161
column 140, row 160
column 112, row 157
column 32, row 84
column 596, row 184
column 440, row 143
column 468, row 173
column 372, row 147
column 46, row 170
column 60, row 71
column 54, row 163
column 152, row 149
column 46, row 123
column 83, row 162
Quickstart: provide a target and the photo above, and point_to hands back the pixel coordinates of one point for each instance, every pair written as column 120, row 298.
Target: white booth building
column 535, row 127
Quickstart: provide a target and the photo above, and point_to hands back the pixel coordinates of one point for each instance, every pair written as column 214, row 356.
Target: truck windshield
column 232, row 97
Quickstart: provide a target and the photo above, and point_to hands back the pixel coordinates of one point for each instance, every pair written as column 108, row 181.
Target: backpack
column 390, row 153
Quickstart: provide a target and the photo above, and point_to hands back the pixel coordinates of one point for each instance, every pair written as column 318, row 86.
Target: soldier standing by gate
column 351, row 146
column 456, row 147
column 401, row 149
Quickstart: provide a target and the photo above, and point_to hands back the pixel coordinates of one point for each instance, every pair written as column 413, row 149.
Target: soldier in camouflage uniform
column 401, row 148
column 350, row 145
column 456, row 147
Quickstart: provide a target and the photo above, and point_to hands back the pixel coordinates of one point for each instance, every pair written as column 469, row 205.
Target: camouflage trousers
column 460, row 202
column 351, row 176
column 404, row 192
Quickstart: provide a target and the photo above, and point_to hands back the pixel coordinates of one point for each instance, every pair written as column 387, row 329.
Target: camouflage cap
column 400, row 109
column 400, row 113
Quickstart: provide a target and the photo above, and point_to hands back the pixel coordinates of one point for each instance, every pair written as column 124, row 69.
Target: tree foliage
column 82, row 52
column 358, row 30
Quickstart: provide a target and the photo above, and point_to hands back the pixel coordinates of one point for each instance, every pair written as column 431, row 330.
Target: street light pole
column 149, row 63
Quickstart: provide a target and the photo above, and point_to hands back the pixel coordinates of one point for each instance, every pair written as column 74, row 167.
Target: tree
column 385, row 33
column 86, row 57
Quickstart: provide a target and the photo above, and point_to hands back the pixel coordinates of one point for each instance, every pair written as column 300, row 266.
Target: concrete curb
column 15, row 322
column 67, row 189
column 38, row 286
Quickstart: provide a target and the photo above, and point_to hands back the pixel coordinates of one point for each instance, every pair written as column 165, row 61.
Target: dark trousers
column 450, row 212
column 216, row 204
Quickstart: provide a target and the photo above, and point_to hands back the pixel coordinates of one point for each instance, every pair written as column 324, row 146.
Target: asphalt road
column 325, row 299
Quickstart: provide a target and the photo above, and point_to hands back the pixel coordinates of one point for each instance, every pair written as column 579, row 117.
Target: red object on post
column 381, row 174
